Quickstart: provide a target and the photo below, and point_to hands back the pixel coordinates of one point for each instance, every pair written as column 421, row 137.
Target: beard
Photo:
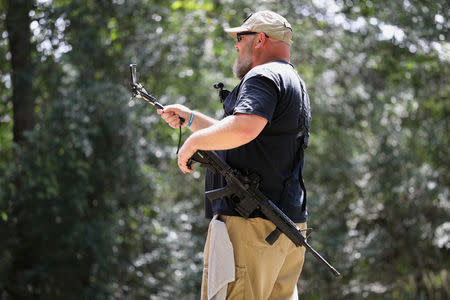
column 241, row 66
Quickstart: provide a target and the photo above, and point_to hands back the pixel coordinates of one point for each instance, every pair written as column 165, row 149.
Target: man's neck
column 270, row 59
column 272, row 52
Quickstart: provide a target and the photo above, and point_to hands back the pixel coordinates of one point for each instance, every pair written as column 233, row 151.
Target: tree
column 19, row 36
column 100, row 197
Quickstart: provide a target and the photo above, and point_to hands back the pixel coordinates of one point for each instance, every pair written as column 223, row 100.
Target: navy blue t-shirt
column 274, row 92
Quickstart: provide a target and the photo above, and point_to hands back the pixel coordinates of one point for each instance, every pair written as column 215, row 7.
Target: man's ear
column 260, row 40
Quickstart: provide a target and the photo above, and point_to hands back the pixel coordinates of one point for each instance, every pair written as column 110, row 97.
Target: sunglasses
column 241, row 34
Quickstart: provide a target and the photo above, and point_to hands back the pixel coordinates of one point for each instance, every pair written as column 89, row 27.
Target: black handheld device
column 139, row 91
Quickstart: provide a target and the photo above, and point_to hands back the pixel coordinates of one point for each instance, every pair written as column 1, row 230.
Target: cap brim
column 235, row 30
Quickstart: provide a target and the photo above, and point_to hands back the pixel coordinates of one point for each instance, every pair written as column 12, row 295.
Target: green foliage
column 90, row 205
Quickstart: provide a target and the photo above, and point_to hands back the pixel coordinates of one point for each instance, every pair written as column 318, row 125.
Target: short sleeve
column 258, row 96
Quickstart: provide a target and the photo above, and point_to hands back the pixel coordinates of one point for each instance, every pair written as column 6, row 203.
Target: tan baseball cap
column 272, row 24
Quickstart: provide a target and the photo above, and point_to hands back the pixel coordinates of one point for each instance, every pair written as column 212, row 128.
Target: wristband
column 190, row 120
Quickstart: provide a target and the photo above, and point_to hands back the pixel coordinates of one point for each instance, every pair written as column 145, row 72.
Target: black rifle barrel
column 290, row 229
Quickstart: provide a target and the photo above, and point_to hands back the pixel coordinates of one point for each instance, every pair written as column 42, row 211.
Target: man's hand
column 231, row 132
column 186, row 152
column 172, row 114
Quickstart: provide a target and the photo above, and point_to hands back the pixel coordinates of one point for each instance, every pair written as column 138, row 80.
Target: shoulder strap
column 291, row 178
column 305, row 115
column 305, row 118
column 303, row 135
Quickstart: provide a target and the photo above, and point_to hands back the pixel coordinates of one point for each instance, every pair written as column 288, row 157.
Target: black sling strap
column 291, row 179
column 303, row 135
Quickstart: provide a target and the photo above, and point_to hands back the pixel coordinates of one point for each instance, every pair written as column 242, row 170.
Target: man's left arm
column 231, row 132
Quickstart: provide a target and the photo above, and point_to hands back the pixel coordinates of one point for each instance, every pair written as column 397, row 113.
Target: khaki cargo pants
column 263, row 271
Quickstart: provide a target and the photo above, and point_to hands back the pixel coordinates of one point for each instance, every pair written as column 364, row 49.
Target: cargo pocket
column 238, row 288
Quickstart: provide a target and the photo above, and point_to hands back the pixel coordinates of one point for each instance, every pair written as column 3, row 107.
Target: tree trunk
column 20, row 47
column 19, row 36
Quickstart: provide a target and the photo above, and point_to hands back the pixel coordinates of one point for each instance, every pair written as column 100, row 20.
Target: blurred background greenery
column 92, row 205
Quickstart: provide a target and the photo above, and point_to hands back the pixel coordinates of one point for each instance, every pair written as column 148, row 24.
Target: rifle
column 242, row 190
column 246, row 198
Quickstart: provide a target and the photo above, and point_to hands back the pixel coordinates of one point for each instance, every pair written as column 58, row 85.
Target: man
column 264, row 131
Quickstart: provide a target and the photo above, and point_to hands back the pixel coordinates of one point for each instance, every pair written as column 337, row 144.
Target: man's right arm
column 172, row 114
